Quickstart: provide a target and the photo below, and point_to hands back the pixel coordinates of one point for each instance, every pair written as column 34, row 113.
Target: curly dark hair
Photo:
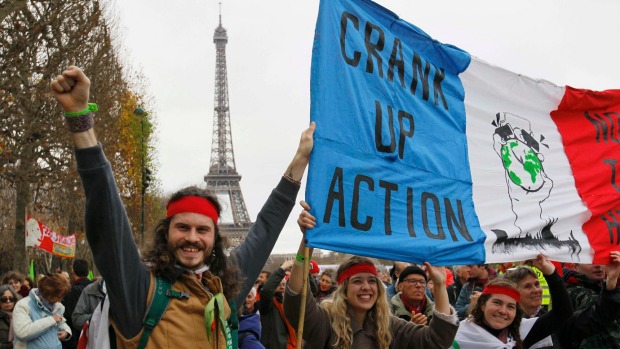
column 159, row 256
column 513, row 328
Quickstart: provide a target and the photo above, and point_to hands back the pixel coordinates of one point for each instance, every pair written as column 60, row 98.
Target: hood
column 250, row 323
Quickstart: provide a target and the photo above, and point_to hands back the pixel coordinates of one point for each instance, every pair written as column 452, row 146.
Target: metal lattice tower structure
column 223, row 178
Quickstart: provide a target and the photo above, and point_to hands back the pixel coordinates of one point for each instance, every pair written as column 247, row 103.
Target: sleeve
column 253, row 253
column 589, row 321
column 110, row 237
column 65, row 327
column 24, row 328
column 82, row 310
column 317, row 323
column 268, row 290
column 554, row 319
column 439, row 333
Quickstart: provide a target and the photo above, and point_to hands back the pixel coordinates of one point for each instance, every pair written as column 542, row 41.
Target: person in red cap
column 188, row 250
column 314, row 269
column 358, row 314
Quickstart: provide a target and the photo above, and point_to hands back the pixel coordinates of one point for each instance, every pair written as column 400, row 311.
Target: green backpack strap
column 234, row 324
column 160, row 302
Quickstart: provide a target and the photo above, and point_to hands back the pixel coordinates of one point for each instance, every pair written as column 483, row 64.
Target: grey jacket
column 91, row 297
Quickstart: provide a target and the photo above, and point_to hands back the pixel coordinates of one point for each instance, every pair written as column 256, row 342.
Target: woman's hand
column 437, row 274
column 305, row 220
column 287, row 264
column 543, row 264
column 63, row 335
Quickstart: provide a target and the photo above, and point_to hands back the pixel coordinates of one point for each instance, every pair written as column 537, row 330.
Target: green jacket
column 399, row 309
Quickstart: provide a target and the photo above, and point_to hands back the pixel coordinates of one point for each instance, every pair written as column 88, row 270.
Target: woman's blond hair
column 337, row 308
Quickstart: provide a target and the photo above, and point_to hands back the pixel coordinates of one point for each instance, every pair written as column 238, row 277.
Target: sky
column 567, row 42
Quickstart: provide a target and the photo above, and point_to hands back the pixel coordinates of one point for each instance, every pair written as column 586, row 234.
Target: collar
column 198, row 271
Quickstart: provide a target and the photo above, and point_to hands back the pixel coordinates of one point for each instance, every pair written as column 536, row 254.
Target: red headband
column 506, row 291
column 193, row 204
column 356, row 269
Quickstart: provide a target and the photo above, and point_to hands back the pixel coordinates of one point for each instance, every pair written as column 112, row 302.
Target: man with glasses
column 411, row 302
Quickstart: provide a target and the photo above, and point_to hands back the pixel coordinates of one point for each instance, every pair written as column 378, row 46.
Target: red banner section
column 589, row 122
column 40, row 236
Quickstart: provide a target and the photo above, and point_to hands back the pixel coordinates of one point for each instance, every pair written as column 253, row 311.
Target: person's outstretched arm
column 106, row 223
column 438, row 275
column 252, row 254
column 305, row 221
column 562, row 307
column 72, row 89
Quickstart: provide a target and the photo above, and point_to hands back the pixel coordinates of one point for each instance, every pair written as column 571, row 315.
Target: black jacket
column 70, row 301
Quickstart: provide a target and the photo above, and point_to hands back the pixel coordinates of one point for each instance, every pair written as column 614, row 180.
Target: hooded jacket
column 34, row 325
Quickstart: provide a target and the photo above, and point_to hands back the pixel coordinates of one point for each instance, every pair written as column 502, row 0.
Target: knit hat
column 314, row 267
column 412, row 269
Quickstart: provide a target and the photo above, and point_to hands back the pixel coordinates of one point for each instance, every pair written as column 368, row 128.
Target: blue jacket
column 249, row 332
column 34, row 326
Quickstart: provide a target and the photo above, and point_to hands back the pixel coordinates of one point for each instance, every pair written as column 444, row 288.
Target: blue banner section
column 389, row 175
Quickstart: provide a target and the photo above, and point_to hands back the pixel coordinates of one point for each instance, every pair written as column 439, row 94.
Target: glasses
column 7, row 299
column 415, row 282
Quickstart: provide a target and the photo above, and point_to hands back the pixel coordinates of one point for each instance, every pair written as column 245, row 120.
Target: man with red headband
column 188, row 250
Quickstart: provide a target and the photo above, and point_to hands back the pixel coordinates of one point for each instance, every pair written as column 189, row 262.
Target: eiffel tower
column 223, row 178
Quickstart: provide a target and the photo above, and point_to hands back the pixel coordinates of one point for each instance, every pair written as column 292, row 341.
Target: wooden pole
column 304, row 295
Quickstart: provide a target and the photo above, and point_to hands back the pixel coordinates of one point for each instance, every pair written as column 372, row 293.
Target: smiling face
column 531, row 293
column 190, row 238
column 15, row 283
column 250, row 299
column 499, row 311
column 362, row 292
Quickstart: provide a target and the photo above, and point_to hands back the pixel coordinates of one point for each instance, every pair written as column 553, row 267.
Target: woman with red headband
column 496, row 319
column 358, row 314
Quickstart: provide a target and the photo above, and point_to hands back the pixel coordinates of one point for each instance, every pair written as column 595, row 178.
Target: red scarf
column 416, row 310
column 292, row 335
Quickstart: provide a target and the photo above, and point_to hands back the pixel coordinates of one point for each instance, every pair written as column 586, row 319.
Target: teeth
column 365, row 296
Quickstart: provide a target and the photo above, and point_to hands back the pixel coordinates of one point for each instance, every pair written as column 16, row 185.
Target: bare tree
column 38, row 40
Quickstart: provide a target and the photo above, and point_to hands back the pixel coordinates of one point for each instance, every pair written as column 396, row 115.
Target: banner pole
column 304, row 295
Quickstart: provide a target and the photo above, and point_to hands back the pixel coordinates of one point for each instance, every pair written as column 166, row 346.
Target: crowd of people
column 189, row 289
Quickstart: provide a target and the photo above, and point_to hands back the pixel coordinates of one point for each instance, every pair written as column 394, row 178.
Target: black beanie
column 412, row 269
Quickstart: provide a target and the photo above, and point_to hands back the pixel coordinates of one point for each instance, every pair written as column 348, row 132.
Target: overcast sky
column 568, row 42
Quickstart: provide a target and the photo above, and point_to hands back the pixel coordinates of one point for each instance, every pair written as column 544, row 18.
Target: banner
column 40, row 236
column 425, row 153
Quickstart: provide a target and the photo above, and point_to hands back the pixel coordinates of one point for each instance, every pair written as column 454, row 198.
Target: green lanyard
column 216, row 305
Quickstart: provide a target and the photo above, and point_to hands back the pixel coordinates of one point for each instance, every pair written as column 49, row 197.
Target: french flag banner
column 425, row 153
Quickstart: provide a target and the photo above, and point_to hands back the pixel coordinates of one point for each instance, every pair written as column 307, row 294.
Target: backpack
column 100, row 336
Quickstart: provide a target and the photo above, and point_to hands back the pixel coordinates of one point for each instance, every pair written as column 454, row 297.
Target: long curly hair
column 477, row 314
column 159, row 256
column 337, row 307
